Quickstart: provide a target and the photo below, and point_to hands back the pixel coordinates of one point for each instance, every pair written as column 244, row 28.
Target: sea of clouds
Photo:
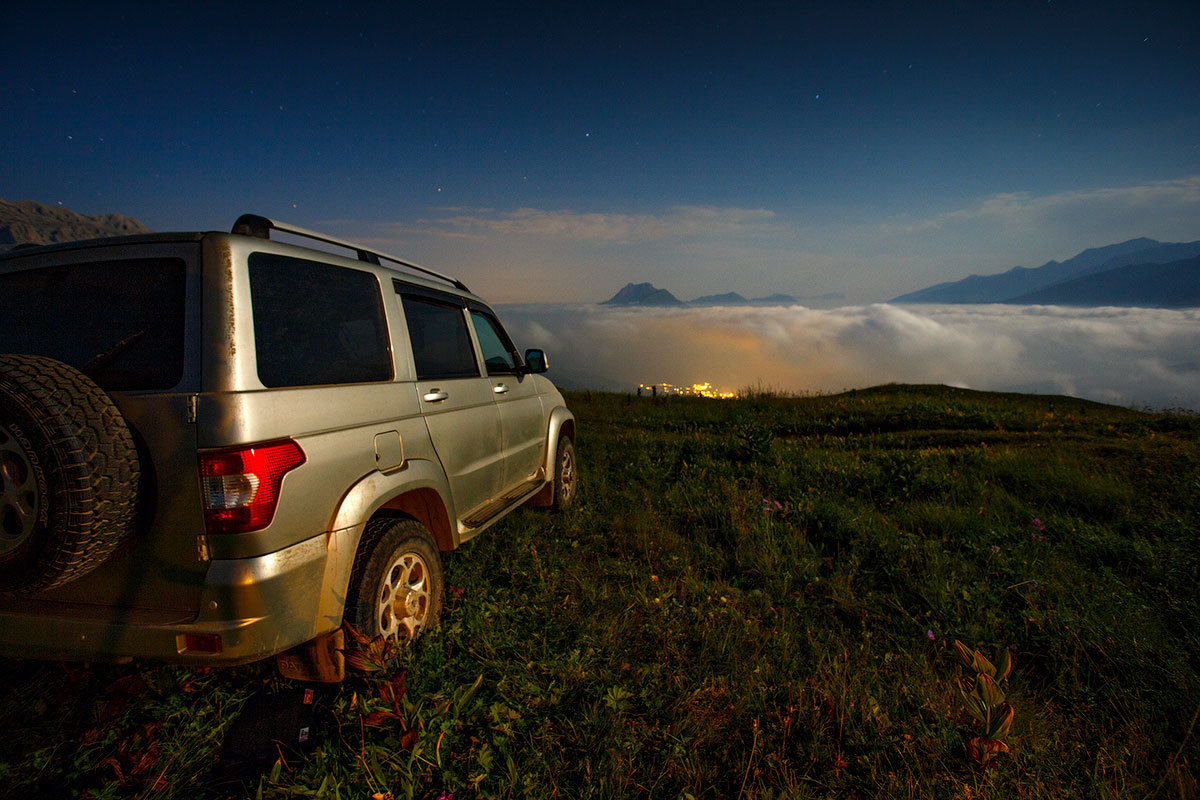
column 1127, row 356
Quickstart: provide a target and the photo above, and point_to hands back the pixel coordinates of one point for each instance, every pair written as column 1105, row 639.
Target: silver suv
column 215, row 448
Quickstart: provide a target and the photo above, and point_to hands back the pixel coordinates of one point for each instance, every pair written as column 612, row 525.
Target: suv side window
column 440, row 341
column 499, row 355
column 315, row 323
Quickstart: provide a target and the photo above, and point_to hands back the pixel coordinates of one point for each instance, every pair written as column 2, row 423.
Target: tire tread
column 96, row 477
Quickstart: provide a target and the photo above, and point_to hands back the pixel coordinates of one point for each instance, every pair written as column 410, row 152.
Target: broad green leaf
column 988, row 690
column 980, row 664
column 1002, row 723
column 1003, row 665
column 964, row 652
column 983, row 749
column 977, row 708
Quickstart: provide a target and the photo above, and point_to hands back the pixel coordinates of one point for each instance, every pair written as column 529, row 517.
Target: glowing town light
column 705, row 389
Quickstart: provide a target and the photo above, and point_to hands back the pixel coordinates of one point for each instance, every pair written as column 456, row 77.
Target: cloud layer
column 1117, row 355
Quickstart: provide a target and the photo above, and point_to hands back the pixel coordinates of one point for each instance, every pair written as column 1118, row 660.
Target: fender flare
column 560, row 418
column 372, row 494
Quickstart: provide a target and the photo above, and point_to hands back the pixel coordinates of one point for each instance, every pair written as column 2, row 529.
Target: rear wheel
column 396, row 586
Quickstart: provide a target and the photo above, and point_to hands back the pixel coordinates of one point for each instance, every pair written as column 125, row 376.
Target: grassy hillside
column 753, row 598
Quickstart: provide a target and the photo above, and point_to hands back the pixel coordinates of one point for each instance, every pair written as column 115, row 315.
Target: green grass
column 671, row 637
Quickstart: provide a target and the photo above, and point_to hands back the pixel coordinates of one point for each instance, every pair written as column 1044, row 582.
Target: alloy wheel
column 19, row 495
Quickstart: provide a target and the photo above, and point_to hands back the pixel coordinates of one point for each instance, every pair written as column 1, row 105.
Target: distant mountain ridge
column 1019, row 284
column 1175, row 284
column 37, row 223
column 647, row 294
column 727, row 299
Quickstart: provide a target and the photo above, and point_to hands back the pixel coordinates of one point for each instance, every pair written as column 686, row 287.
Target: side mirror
column 535, row 361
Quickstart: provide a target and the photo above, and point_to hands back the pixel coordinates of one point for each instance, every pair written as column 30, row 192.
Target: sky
column 554, row 152
column 551, row 153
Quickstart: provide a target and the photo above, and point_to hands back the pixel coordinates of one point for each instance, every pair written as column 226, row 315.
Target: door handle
column 499, row 388
column 435, row 396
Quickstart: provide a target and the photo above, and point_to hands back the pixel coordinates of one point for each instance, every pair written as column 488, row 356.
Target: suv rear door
column 127, row 316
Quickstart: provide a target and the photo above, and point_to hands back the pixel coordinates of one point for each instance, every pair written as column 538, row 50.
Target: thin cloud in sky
column 1119, row 355
column 677, row 222
column 1157, row 208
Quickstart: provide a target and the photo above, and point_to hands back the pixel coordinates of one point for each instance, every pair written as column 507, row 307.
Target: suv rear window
column 317, row 324
column 119, row 322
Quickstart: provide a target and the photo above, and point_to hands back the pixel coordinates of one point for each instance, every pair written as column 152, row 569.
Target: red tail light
column 240, row 486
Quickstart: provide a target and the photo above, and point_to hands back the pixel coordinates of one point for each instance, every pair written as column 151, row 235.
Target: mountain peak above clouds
column 646, row 294
column 726, row 299
column 642, row 294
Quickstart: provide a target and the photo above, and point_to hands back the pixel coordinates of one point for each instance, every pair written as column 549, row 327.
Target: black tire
column 68, row 474
column 395, row 553
column 566, row 474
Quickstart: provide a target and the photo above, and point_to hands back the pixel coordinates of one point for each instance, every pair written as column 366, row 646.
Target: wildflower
column 932, row 636
column 995, row 548
column 772, row 505
column 1037, row 537
column 455, row 592
column 446, row 795
column 1038, row 524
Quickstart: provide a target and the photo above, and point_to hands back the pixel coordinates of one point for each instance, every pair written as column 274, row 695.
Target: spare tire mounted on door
column 68, row 474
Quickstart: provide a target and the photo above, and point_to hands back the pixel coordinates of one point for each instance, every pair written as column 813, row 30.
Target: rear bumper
column 257, row 606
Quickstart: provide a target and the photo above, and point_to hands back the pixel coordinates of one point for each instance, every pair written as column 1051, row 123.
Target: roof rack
column 261, row 227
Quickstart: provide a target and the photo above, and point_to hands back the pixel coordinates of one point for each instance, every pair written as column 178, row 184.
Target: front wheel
column 566, row 474
column 396, row 586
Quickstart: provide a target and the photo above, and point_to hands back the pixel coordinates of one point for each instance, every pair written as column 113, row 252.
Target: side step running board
column 498, row 505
